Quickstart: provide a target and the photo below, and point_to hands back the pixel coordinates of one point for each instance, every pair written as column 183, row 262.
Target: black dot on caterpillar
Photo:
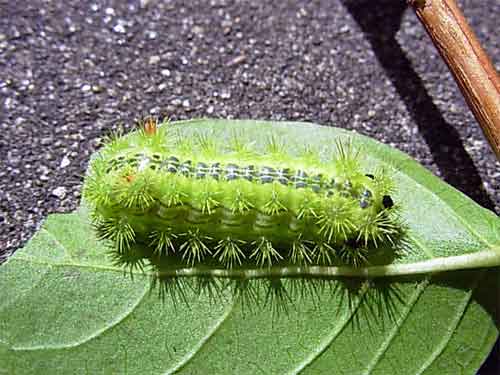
column 198, row 201
column 387, row 201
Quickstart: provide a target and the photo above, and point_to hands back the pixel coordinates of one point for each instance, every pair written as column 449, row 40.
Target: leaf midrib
column 479, row 259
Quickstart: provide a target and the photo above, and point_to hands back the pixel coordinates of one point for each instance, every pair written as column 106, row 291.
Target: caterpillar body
column 190, row 199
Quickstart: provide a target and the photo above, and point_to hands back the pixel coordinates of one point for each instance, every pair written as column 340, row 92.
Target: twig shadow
column 380, row 21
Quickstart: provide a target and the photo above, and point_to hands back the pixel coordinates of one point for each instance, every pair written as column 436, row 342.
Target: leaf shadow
column 374, row 302
column 371, row 305
column 278, row 295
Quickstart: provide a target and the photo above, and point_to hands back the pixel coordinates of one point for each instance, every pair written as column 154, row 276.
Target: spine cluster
column 197, row 200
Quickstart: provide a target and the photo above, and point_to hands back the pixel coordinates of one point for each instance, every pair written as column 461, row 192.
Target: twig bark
column 468, row 62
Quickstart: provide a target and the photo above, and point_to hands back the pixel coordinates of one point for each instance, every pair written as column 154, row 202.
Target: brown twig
column 468, row 62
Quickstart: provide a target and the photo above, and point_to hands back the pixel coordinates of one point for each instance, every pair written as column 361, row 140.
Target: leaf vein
column 334, row 333
column 20, row 295
column 453, row 326
column 56, row 240
column 424, row 248
column 393, row 333
column 120, row 319
column 189, row 356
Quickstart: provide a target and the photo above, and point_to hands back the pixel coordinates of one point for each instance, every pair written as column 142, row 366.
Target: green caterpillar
column 190, row 199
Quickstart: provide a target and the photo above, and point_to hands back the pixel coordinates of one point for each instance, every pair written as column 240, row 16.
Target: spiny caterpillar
column 191, row 199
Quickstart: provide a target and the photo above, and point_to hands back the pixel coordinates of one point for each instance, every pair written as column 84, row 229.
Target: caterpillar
column 195, row 200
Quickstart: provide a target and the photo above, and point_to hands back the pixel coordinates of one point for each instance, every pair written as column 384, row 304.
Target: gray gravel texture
column 70, row 71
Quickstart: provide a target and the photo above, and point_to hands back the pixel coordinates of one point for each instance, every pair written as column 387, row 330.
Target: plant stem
column 468, row 62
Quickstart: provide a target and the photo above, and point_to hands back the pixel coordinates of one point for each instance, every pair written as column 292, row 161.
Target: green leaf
column 66, row 307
